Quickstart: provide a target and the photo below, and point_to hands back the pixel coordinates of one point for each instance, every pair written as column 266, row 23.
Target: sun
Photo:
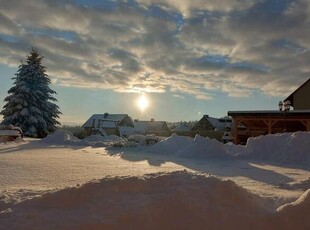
column 143, row 102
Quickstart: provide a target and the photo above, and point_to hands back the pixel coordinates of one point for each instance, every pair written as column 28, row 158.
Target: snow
column 170, row 145
column 201, row 147
column 61, row 182
column 289, row 148
column 61, row 137
column 286, row 148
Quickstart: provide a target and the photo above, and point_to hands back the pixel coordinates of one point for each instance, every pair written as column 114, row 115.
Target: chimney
column 152, row 119
column 105, row 115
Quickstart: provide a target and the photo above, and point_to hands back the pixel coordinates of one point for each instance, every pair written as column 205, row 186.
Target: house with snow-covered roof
column 108, row 124
column 144, row 127
column 212, row 123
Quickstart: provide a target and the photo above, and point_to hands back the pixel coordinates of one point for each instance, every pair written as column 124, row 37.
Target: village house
column 108, row 124
column 211, row 123
column 147, row 127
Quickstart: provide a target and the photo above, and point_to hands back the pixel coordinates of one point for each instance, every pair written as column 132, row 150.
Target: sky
column 188, row 58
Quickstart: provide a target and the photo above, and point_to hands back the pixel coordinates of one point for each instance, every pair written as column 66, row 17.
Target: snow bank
column 178, row 200
column 148, row 139
column 102, row 141
column 197, row 148
column 64, row 137
column 201, row 147
column 288, row 148
column 170, row 145
column 300, row 185
column 61, row 137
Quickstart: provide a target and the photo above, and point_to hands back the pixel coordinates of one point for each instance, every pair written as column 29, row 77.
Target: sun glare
column 143, row 102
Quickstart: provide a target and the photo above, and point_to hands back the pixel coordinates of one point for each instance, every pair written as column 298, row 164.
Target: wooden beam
column 235, row 132
column 306, row 123
column 269, row 124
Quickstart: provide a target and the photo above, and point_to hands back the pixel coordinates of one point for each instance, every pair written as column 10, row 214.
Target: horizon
column 168, row 60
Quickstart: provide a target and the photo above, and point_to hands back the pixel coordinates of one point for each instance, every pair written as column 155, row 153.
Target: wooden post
column 306, row 123
column 236, row 123
column 269, row 125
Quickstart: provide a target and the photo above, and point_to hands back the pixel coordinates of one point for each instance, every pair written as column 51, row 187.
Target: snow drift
column 287, row 148
column 178, row 200
column 101, row 141
column 61, row 137
column 201, row 147
column 170, row 145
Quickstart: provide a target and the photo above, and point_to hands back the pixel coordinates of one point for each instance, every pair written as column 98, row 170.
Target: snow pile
column 148, row 139
column 300, row 185
column 292, row 148
column 178, row 200
column 201, row 147
column 137, row 138
column 94, row 138
column 170, row 145
column 294, row 215
column 64, row 137
column 287, row 148
column 197, row 148
column 103, row 141
column 61, row 137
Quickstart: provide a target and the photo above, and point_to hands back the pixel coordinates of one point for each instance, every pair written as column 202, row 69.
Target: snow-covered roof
column 144, row 126
column 220, row 123
column 181, row 128
column 108, row 120
column 269, row 112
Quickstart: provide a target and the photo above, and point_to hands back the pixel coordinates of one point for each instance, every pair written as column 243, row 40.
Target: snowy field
column 61, row 182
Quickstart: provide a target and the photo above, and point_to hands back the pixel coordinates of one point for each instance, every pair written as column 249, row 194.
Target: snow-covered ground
column 61, row 182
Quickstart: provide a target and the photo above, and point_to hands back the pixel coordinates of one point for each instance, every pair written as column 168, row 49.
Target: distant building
column 212, row 123
column 143, row 127
column 110, row 124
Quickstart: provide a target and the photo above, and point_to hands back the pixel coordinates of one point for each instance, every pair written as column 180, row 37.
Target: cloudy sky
column 188, row 58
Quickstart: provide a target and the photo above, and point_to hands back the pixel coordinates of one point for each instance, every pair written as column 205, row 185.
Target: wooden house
column 203, row 124
column 106, row 123
column 207, row 123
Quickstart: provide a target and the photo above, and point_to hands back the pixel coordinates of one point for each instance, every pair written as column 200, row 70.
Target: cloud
column 187, row 7
column 194, row 47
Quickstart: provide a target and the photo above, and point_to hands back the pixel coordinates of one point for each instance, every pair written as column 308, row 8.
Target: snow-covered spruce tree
column 30, row 102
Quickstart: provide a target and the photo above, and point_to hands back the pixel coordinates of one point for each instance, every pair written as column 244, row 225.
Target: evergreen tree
column 30, row 102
